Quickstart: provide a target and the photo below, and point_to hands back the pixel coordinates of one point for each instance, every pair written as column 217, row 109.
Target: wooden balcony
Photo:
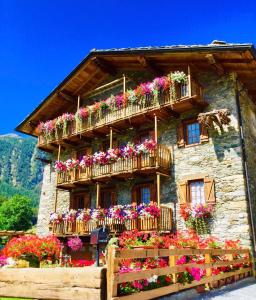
column 116, row 226
column 187, row 97
column 157, row 160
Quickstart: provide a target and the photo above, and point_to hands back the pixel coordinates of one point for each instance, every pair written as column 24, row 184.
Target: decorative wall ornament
column 219, row 117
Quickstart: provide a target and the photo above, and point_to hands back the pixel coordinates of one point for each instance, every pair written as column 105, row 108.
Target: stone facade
column 219, row 158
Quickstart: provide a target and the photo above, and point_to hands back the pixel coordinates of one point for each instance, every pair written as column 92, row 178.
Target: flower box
column 84, row 174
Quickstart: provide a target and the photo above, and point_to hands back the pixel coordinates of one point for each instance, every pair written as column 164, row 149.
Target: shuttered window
column 190, row 132
column 80, row 201
column 108, row 198
column 196, row 191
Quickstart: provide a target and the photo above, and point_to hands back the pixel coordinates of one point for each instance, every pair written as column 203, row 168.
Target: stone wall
column 220, row 158
column 248, row 112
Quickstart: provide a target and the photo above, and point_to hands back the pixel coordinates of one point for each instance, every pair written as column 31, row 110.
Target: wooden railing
column 110, row 115
column 163, row 223
column 238, row 260
column 159, row 158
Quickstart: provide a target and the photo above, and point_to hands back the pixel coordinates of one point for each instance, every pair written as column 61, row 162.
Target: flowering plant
column 75, row 243
column 33, row 246
column 104, row 158
column 151, row 210
column 197, row 216
column 138, row 95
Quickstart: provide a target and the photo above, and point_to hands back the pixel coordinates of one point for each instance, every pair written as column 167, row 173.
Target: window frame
column 190, row 190
column 185, row 129
column 137, row 189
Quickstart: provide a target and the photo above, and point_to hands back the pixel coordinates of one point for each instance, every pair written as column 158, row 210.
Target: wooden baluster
column 172, row 263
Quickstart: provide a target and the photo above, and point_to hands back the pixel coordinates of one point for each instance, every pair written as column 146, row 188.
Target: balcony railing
column 78, row 227
column 179, row 101
column 158, row 159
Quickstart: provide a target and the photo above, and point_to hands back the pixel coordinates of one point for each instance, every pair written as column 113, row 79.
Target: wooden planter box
column 58, row 228
column 83, row 227
column 69, row 227
column 84, row 174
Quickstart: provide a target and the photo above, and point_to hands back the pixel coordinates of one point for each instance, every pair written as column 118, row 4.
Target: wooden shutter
column 204, row 136
column 134, row 195
column 183, row 192
column 209, row 190
column 180, row 135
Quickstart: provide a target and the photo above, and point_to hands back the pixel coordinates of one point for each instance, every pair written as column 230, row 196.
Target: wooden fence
column 115, row 256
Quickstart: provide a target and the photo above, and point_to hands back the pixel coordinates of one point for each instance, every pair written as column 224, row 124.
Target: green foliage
column 20, row 171
column 16, row 213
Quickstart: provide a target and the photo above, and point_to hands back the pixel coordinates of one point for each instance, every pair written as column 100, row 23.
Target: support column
column 111, row 138
column 78, row 102
column 189, row 83
column 58, row 158
column 56, row 191
column 97, row 194
column 155, row 130
column 158, row 189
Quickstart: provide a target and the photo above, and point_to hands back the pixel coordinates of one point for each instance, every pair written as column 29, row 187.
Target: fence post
column 112, row 268
column 208, row 260
column 172, row 263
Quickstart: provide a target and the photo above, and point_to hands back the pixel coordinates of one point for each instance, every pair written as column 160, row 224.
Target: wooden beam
column 104, row 66
column 111, row 138
column 156, row 133
column 215, row 64
column 59, row 153
column 173, row 113
column 146, row 64
column 66, row 97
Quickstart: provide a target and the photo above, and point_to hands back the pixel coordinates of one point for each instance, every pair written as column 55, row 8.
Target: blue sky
column 42, row 41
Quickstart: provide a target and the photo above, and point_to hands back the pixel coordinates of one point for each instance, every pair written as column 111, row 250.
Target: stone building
column 200, row 157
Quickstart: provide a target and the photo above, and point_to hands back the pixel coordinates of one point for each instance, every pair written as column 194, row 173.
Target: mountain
column 20, row 170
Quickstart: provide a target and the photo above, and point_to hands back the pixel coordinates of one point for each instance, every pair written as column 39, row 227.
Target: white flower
column 153, row 279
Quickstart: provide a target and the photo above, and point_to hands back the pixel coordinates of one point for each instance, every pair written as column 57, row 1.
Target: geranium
column 75, row 243
column 59, row 166
column 86, row 161
column 82, row 113
column 82, row 263
column 151, row 210
column 72, row 164
column 3, row 260
column 39, row 247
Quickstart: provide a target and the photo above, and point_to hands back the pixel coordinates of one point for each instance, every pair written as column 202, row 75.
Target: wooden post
column 208, row 260
column 97, row 194
column 111, row 138
column 124, row 90
column 172, row 263
column 156, row 135
column 189, row 83
column 112, row 268
column 56, row 199
column 158, row 189
column 59, row 152
column 78, row 102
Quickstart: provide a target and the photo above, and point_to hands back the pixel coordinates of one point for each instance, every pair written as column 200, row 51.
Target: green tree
column 16, row 213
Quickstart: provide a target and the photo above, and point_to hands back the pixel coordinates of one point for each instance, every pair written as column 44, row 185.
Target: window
column 193, row 133
column 80, row 201
column 107, row 198
column 143, row 193
column 196, row 191
column 146, row 135
column 190, row 132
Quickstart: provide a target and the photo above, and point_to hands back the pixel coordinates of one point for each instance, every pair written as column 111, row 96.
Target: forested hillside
column 20, row 170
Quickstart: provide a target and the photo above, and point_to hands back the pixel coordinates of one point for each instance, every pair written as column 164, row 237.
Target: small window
column 80, row 201
column 193, row 133
column 196, row 189
column 145, row 195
